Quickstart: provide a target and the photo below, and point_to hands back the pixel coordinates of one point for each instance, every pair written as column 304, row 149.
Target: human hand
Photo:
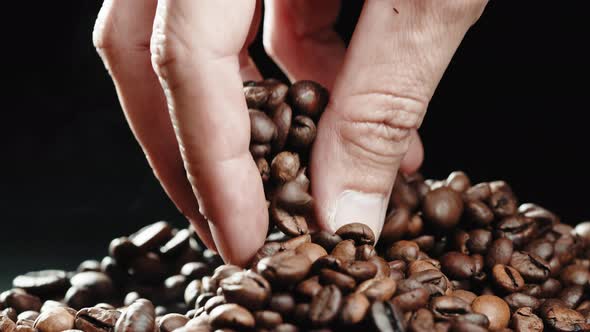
column 178, row 68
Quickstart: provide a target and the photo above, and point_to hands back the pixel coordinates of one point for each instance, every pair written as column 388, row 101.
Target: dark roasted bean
column 531, row 267
column 138, row 317
column 443, row 207
column 524, row 320
column 507, row 278
column 248, row 289
column 358, row 232
column 54, row 320
column 449, row 307
column 386, row 316
column 325, row 306
column 378, row 289
column 494, row 308
column 96, row 319
column 231, row 316
column 354, row 309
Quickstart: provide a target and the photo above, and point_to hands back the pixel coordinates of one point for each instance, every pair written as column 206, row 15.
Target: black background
column 511, row 106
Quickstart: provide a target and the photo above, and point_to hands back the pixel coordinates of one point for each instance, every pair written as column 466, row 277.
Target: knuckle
column 378, row 125
column 167, row 50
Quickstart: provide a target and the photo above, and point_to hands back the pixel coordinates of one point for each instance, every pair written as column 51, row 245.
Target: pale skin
column 178, row 67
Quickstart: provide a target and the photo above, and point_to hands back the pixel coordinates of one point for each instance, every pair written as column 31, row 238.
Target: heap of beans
column 452, row 256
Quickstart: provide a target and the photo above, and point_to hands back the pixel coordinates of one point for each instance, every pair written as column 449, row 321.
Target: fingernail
column 354, row 206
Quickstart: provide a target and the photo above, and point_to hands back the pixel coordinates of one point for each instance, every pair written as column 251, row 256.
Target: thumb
column 398, row 54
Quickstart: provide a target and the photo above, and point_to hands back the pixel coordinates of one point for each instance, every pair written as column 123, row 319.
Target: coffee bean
column 283, row 303
column 387, row 317
column 284, row 268
column 360, row 270
column 518, row 300
column 449, row 307
column 152, row 236
column 422, row 321
column 256, row 96
column 96, row 319
column 311, row 250
column 358, row 232
column 383, row 269
column 531, row 267
column 28, row 315
column 479, row 213
column 248, row 289
column 365, row 252
column 435, row 281
column 267, row 319
column 262, row 128
column 282, row 117
column 524, row 320
column 194, row 270
column 325, row 239
column 6, row 324
column 518, row 229
column 354, row 309
column 259, row 150
column 405, row 250
column 290, row 224
column 139, row 317
column 340, row 280
column 344, row 251
column 302, row 133
column 214, row 302
column 308, row 98
column 462, row 326
column 500, row 252
column 443, row 207
column 89, row 265
column 412, row 300
column 457, row 265
column 561, row 318
column 494, row 308
column 54, row 320
column 46, row 283
column 231, row 316
column 277, row 93
column 378, row 289
column 507, row 278
column 19, row 300
column 572, row 296
column 403, row 194
column 176, row 246
column 284, row 167
column 325, row 306
column 479, row 241
column 575, row 275
column 465, row 295
column 458, row 181
column 478, row 192
column 10, row 313
column 502, row 200
column 291, row 197
column 396, row 225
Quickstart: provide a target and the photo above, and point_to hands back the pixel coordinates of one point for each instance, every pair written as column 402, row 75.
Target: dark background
column 511, row 106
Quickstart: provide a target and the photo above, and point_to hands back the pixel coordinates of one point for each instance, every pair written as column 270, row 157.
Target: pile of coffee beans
column 453, row 256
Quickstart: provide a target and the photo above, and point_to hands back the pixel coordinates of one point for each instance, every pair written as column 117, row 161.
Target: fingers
column 398, row 53
column 195, row 52
column 415, row 155
column 299, row 36
column 121, row 36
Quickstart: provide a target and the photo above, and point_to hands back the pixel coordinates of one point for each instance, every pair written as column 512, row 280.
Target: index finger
column 195, row 52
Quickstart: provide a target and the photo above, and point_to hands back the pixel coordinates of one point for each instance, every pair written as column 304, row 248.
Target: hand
column 178, row 68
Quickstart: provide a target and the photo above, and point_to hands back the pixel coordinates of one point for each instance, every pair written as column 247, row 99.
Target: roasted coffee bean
column 326, row 262
column 378, row 289
column 28, row 315
column 148, row 269
column 507, row 278
column 561, row 318
column 248, row 289
column 282, row 117
column 518, row 300
column 89, row 265
column 421, row 265
column 458, row 181
column 531, row 267
column 96, row 319
column 524, row 320
column 479, row 241
column 465, row 295
column 295, row 242
column 290, row 224
column 6, row 324
column 550, row 288
column 412, row 300
column 325, row 239
column 311, row 250
column 214, row 302
column 463, row 326
column 575, row 275
column 500, row 252
column 360, row 270
column 152, row 236
column 175, row 246
column 284, row 167
column 478, row 192
column 220, row 273
column 171, row 322
column 308, row 98
column 422, row 321
column 284, row 268
column 302, row 133
column 138, row 317
column 340, row 280
column 46, row 283
column 325, row 306
column 354, row 309
column 19, row 300
column 203, row 298
column 386, row 316
column 267, row 319
column 25, row 322
column 405, row 250
column 494, row 308
column 434, row 278
column 365, row 252
column 194, row 270
column 345, row 251
column 231, row 316
column 358, row 232
column 502, row 200
column 262, row 128
column 283, row 303
column 54, row 320
column 572, row 296
column 117, row 272
column 396, row 225
column 443, row 207
column 541, row 248
column 449, row 307
column 403, row 194
column 518, row 229
column 256, row 95
column 479, row 213
column 457, row 265
column 260, row 150
column 475, row 318
column 191, row 292
column 10, row 313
